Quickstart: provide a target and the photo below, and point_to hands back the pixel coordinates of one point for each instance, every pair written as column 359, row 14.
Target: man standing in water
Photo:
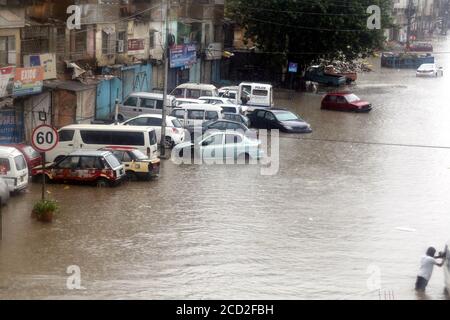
column 427, row 264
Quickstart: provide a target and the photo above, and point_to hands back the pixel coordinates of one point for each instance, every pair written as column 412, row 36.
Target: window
column 155, row 122
column 4, row 165
column 131, row 101
column 177, row 93
column 87, row 163
column 176, row 123
column 332, row 99
column 69, row 163
column 211, row 115
column 262, row 93
column 269, row 116
column 152, row 136
column 286, row 116
column 7, row 50
column 118, row 138
column 196, row 114
column 233, row 126
column 148, row 103
column 66, row 135
column 178, row 113
column 122, row 44
column 159, row 104
column 341, row 100
column 232, row 139
column 126, row 157
column 152, row 39
column 213, row 140
column 31, row 153
column 119, row 154
column 229, row 109
column 260, row 113
column 193, row 93
column 218, row 126
column 206, row 93
column 20, row 162
column 108, row 41
column 137, row 122
column 112, row 161
column 138, row 155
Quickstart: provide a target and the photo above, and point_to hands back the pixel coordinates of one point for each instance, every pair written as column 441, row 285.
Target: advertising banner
column 28, row 81
column 183, row 56
column 6, row 77
column 45, row 60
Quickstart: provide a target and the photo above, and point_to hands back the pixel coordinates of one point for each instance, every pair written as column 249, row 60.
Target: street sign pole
column 43, row 176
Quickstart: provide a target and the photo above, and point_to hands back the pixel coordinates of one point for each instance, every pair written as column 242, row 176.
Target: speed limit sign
column 45, row 138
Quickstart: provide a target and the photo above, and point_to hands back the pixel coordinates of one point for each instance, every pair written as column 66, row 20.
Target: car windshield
column 352, row 98
column 20, row 163
column 426, row 67
column 139, row 155
column 112, row 160
column 286, row 116
column 176, row 123
column 31, row 153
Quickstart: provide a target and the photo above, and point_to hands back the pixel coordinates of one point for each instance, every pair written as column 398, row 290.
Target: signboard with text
column 183, row 56
column 6, row 77
column 45, row 60
column 136, row 46
column 293, row 67
column 28, row 81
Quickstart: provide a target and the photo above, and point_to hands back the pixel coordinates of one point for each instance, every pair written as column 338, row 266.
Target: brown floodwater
column 363, row 195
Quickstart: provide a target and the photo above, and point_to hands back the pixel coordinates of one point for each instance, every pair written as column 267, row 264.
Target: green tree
column 305, row 30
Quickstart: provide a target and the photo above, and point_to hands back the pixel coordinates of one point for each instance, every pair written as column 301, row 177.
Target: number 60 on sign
column 44, row 138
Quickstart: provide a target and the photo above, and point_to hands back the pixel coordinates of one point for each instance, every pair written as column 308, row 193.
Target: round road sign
column 44, row 138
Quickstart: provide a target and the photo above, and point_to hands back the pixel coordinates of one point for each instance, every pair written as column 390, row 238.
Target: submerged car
column 237, row 118
column 429, row 70
column 221, row 146
column 219, row 125
column 13, row 168
column 278, row 118
column 344, row 101
column 96, row 167
column 4, row 192
column 32, row 157
column 137, row 165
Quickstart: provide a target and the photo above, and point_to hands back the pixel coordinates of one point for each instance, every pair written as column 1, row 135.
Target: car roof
column 342, row 93
column 201, row 86
column 201, row 106
column 105, row 127
column 9, row 151
column 147, row 95
column 118, row 148
column 151, row 115
column 90, row 153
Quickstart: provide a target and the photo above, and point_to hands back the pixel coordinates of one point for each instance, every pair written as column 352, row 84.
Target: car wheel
column 102, row 183
column 131, row 176
column 169, row 143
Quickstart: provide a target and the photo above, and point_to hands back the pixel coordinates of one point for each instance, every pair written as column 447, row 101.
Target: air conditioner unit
column 120, row 46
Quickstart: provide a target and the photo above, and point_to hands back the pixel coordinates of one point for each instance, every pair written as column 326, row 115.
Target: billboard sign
column 183, row 56
column 28, row 81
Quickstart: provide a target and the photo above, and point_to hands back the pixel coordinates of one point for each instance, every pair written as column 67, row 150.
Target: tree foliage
column 305, row 30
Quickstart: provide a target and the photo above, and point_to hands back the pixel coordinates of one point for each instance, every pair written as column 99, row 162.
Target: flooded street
column 363, row 193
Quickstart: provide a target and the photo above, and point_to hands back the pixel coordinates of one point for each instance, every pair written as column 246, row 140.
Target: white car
column 175, row 132
column 179, row 101
column 230, row 93
column 13, row 168
column 429, row 70
column 216, row 100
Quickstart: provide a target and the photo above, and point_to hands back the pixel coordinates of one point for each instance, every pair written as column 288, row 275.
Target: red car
column 32, row 157
column 342, row 101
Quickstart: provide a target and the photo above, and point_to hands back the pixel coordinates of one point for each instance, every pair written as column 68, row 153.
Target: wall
column 32, row 106
column 13, row 32
column 86, row 106
column 103, row 60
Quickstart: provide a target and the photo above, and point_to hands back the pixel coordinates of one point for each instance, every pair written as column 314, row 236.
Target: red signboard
column 136, row 45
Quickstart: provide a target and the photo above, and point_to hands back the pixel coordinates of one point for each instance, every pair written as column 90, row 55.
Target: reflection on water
column 335, row 212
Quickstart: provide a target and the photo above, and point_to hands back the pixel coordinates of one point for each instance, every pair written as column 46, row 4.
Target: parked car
column 231, row 108
column 237, row 118
column 13, row 168
column 421, row 47
column 196, row 114
column 94, row 137
column 83, row 166
column 32, row 157
column 317, row 74
column 139, row 103
column 221, row 146
column 4, row 192
column 216, row 100
column 180, row 101
column 137, row 165
column 429, row 70
column 278, row 118
column 195, row 90
column 220, row 125
column 175, row 132
column 342, row 101
column 230, row 93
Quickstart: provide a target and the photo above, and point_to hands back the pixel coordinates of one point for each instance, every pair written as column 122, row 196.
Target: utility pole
column 409, row 16
column 445, row 18
column 166, row 75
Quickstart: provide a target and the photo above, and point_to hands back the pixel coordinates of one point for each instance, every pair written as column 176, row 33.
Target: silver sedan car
column 4, row 192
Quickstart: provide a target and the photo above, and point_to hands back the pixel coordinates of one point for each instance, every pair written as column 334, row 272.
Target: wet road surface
column 362, row 196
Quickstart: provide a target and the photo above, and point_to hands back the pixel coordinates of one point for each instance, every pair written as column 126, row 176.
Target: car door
column 156, row 123
column 129, row 108
column 195, row 118
column 147, row 105
column 270, row 121
column 212, row 147
column 341, row 103
column 88, row 169
column 259, row 119
column 233, row 144
column 66, row 169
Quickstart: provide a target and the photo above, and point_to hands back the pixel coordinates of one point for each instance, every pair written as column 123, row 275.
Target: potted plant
column 44, row 210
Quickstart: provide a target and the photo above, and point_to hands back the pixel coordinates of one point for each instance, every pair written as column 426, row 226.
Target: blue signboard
column 183, row 56
column 11, row 128
column 293, row 67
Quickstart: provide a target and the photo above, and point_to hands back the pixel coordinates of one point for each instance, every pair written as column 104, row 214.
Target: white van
column 139, row 103
column 256, row 94
column 94, row 137
column 195, row 91
column 196, row 114
column 13, row 168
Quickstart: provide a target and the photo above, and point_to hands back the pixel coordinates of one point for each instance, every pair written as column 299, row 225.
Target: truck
column 405, row 60
column 255, row 95
column 317, row 74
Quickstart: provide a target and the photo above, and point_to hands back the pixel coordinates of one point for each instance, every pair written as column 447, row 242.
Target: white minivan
column 95, row 137
column 139, row 103
column 13, row 168
column 197, row 114
column 195, row 91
